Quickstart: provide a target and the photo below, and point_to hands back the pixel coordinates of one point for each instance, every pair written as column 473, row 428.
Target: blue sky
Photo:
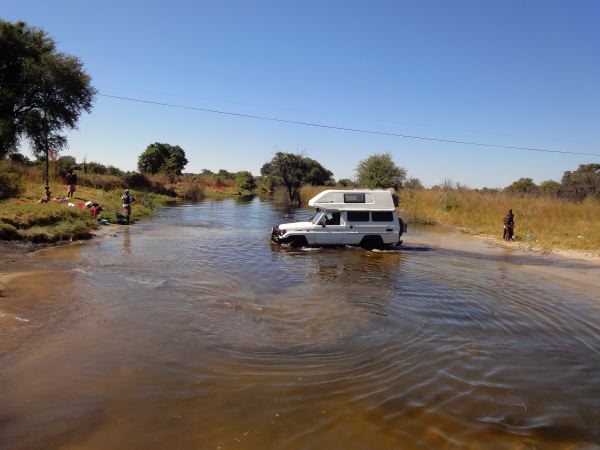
column 519, row 73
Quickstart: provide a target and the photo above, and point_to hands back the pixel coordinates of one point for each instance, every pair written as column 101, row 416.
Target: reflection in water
column 192, row 331
column 126, row 241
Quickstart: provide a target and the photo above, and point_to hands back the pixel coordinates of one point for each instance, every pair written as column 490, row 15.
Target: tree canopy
column 245, row 180
column 163, row 158
column 581, row 183
column 292, row 171
column 523, row 186
column 380, row 171
column 315, row 174
column 286, row 169
column 549, row 187
column 42, row 91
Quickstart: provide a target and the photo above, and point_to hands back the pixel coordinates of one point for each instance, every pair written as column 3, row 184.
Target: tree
column 289, row 170
column 225, row 174
column 315, row 174
column 244, row 180
column 42, row 91
column 162, row 158
column 549, row 187
column 523, row 186
column 413, row 183
column 346, row 182
column 581, row 183
column 380, row 171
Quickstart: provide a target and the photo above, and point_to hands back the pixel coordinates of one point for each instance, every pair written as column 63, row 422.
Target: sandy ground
column 580, row 270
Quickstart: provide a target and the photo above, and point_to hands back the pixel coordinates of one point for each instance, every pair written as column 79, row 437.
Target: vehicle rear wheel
column 371, row 242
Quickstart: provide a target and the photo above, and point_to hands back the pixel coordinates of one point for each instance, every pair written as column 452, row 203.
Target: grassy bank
column 23, row 218
column 542, row 221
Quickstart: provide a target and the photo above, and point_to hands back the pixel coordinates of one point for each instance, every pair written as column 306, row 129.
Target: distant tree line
column 576, row 185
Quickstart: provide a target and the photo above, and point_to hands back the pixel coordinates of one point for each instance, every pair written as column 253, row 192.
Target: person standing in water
column 127, row 199
column 509, row 226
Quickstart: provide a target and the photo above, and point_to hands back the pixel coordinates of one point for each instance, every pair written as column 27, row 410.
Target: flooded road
column 191, row 331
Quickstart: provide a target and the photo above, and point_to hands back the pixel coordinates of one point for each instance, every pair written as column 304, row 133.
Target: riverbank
column 26, row 219
column 543, row 224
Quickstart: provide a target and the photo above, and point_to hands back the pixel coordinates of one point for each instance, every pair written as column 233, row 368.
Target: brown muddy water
column 191, row 331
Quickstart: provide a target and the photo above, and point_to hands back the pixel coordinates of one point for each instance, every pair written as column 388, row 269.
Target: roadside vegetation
column 542, row 221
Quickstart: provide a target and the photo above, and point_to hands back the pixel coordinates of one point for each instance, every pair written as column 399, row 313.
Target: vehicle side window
column 333, row 218
column 382, row 216
column 354, row 198
column 357, row 216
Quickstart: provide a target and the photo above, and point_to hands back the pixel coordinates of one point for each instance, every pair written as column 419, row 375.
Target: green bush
column 8, row 232
column 10, row 185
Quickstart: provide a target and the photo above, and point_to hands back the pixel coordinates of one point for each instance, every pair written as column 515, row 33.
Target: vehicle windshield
column 316, row 217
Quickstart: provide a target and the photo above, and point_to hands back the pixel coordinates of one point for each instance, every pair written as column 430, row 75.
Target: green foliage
column 380, row 171
column 289, row 170
column 581, row 183
column 10, row 185
column 19, row 158
column 315, row 174
column 413, row 183
column 164, row 158
column 292, row 171
column 346, row 182
column 523, row 186
column 550, row 187
column 225, row 174
column 42, row 91
column 245, row 181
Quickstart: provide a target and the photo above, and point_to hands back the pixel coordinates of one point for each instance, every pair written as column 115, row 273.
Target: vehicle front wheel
column 298, row 242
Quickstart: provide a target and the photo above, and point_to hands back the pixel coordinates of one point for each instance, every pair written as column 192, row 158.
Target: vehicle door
column 330, row 230
column 357, row 225
column 385, row 224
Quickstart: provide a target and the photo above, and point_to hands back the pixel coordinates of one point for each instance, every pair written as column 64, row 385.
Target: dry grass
column 544, row 221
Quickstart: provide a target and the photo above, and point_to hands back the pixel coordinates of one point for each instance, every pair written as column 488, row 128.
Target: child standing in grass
column 71, row 182
column 509, row 226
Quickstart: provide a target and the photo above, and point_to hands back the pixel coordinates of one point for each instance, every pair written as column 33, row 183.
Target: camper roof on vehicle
column 354, row 200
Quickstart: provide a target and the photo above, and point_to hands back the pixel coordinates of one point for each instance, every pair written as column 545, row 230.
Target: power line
column 340, row 128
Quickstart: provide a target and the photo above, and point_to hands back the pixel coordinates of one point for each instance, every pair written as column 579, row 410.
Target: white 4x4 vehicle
column 359, row 217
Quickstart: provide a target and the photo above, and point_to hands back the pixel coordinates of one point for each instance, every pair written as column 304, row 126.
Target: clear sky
column 519, row 73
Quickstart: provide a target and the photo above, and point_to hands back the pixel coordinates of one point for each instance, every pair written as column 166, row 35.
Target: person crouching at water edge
column 127, row 199
column 509, row 226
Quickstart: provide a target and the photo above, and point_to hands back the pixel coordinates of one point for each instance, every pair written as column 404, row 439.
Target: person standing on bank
column 509, row 226
column 71, row 182
column 127, row 199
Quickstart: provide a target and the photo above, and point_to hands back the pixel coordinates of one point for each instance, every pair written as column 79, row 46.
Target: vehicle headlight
column 282, row 232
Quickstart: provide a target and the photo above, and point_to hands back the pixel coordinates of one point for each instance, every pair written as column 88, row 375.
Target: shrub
column 10, row 185
column 8, row 232
column 191, row 191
